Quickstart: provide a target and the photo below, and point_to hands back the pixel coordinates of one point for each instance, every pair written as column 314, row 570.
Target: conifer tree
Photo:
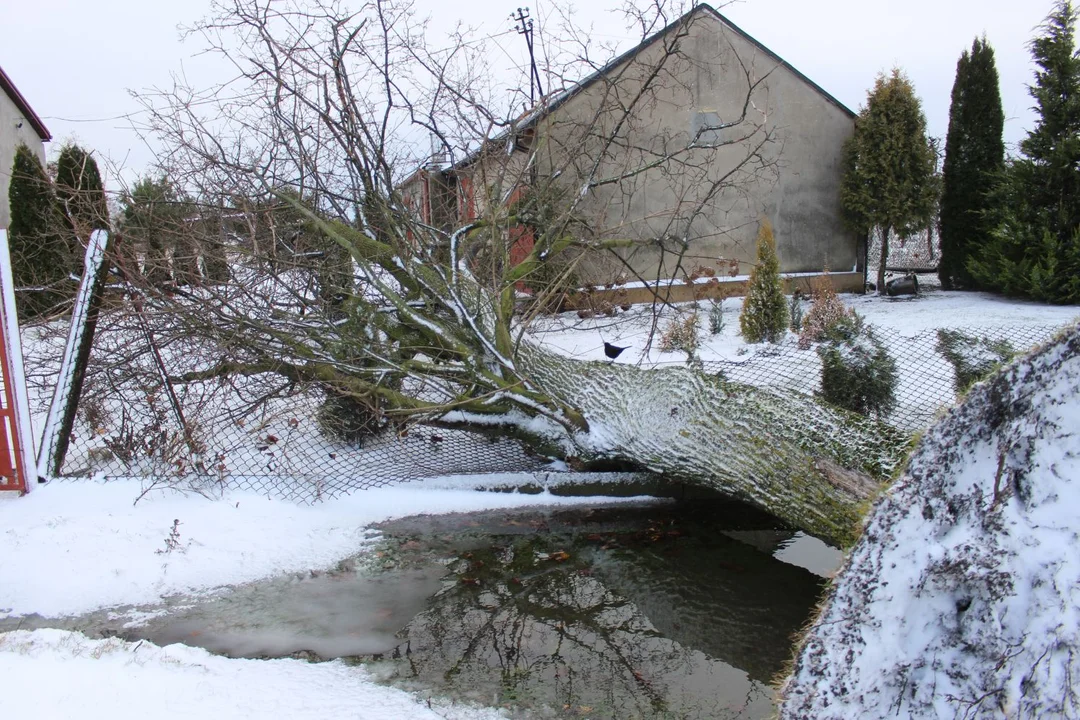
column 153, row 217
column 764, row 315
column 1035, row 249
column 889, row 181
column 40, row 256
column 80, row 190
column 974, row 160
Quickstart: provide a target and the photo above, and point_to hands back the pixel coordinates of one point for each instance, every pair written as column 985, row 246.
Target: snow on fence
column 264, row 433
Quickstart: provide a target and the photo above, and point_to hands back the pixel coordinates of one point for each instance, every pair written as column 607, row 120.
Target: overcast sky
column 76, row 61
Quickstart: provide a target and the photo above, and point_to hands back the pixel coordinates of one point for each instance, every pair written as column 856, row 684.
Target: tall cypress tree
column 39, row 254
column 974, row 159
column 889, row 181
column 82, row 200
column 79, row 187
column 1036, row 245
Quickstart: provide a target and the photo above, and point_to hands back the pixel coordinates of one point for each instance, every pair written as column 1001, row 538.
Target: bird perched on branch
column 613, row 351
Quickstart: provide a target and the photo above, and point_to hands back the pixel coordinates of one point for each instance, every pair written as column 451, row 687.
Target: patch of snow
column 58, row 674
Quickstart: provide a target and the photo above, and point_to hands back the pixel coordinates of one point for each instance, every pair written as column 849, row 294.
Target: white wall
column 11, row 136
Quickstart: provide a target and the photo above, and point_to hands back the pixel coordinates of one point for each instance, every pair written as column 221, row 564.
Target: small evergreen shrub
column 826, row 310
column 716, row 317
column 681, row 334
column 764, row 315
column 972, row 358
column 857, row 371
column 795, row 311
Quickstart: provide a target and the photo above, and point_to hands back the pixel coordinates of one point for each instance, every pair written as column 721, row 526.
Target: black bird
column 613, row 351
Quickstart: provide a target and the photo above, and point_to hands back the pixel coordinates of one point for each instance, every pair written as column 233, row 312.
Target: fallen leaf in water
column 560, row 556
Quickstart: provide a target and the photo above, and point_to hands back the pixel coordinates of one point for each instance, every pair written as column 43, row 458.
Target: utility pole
column 524, row 26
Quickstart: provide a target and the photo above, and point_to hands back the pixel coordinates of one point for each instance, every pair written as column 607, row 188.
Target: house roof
column 561, row 97
column 20, row 102
column 556, row 99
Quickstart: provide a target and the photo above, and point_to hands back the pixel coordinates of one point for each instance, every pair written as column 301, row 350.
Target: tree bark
column 883, row 260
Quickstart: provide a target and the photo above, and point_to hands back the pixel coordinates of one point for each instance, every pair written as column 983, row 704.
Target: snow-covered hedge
column 962, row 598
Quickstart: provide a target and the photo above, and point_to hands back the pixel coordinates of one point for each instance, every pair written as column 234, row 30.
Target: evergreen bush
column 764, row 315
column 716, row 316
column 795, row 311
column 1034, row 250
column 40, row 254
column 857, row 371
column 973, row 358
column 974, row 160
column 81, row 192
column 826, row 309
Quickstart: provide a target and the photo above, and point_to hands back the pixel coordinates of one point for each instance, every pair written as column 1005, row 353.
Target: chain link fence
column 264, row 433
column 926, row 379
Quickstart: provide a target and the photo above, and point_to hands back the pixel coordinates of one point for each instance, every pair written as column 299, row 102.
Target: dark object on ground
column 613, row 351
column 907, row 285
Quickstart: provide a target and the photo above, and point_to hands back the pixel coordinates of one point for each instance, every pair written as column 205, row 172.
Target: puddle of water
column 651, row 612
column 662, row 610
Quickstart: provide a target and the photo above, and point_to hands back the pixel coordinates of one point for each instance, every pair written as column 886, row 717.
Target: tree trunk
column 883, row 261
column 805, row 462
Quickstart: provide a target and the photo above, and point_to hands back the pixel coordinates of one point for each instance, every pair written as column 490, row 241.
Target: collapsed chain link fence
column 263, row 433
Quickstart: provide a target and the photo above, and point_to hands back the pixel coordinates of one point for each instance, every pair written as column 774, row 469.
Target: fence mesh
column 263, row 433
column 926, row 379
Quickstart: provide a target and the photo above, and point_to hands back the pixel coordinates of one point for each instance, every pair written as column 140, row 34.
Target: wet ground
column 662, row 610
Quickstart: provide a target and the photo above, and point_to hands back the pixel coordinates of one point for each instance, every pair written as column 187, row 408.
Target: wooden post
column 18, row 470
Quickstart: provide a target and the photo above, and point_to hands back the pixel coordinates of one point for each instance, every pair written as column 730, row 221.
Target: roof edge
column 8, row 87
column 587, row 81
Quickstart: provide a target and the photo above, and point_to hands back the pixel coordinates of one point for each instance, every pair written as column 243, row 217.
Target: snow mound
column 962, row 598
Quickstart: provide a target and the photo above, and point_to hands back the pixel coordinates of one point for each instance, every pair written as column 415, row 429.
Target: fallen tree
column 299, row 179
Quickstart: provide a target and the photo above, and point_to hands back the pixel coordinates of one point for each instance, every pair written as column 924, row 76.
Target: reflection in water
column 617, row 613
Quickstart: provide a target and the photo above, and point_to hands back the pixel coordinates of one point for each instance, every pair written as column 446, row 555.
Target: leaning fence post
column 15, row 414
column 65, row 400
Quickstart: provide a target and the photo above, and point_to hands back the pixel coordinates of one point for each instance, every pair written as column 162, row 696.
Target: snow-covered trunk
column 807, row 463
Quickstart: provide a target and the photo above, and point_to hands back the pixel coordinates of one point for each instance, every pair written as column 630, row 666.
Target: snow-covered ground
column 56, row 674
column 934, row 308
column 73, row 547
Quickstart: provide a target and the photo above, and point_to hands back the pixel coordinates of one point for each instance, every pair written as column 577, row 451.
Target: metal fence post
column 61, row 418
